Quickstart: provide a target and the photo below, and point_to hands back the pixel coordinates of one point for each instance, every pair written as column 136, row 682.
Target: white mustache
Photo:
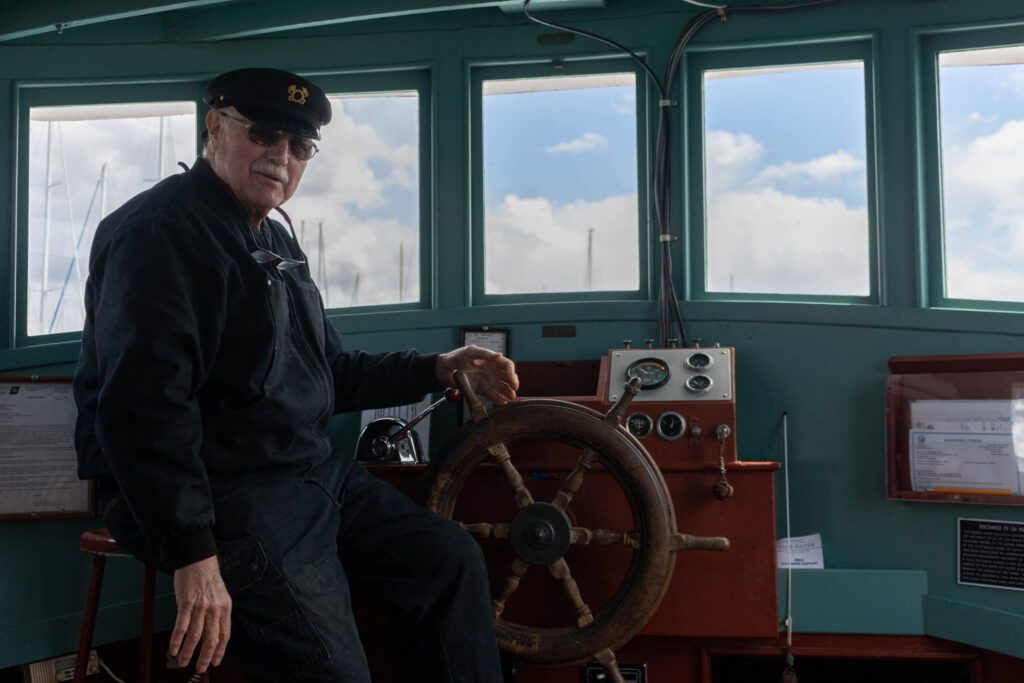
column 267, row 168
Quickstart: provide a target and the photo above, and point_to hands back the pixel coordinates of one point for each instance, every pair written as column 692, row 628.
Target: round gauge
column 639, row 425
column 652, row 372
column 699, row 361
column 699, row 384
column 671, row 426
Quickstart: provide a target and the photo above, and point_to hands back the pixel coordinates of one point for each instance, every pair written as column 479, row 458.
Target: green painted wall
column 892, row 564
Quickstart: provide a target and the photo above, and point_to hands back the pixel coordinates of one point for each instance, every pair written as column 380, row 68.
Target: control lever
column 723, row 490
column 384, row 445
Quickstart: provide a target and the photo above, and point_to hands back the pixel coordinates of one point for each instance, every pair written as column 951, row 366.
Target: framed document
column 493, row 338
column 38, row 466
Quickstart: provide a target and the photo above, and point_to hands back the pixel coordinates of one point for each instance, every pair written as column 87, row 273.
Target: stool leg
column 146, row 643
column 92, row 604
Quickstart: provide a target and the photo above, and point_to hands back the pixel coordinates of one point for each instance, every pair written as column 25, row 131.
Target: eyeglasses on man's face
column 269, row 258
column 301, row 148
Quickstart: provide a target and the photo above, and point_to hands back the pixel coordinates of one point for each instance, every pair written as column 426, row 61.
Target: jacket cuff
column 188, row 546
column 425, row 373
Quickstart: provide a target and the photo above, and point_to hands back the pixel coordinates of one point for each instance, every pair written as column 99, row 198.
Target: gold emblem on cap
column 297, row 94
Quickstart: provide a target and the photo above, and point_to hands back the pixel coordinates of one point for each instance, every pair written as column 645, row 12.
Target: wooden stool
column 101, row 545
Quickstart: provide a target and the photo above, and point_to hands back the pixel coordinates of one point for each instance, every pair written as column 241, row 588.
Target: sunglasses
column 301, row 148
column 269, row 258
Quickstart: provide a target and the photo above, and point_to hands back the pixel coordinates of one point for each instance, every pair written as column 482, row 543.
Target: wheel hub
column 540, row 533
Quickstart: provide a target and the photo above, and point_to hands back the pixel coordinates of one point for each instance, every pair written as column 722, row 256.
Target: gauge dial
column 671, row 426
column 699, row 384
column 699, row 361
column 639, row 425
column 652, row 372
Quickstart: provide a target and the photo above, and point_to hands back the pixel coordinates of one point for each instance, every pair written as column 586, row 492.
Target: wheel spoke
column 560, row 570
column 516, row 572
column 572, row 482
column 582, row 536
column 606, row 658
column 501, row 456
column 483, row 530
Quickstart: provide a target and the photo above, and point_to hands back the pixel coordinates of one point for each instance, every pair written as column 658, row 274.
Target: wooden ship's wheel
column 540, row 532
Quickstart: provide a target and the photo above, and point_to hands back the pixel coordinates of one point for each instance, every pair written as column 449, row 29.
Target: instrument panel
column 693, row 374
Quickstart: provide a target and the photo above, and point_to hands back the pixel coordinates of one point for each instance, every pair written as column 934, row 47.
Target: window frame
column 382, row 82
column 712, row 58
column 30, row 94
column 556, row 67
column 930, row 44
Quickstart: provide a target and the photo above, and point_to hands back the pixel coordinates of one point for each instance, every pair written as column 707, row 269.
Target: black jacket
column 202, row 370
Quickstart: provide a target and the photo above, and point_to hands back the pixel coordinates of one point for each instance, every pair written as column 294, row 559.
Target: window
column 786, row 165
column 358, row 209
column 559, row 204
column 981, row 118
column 83, row 162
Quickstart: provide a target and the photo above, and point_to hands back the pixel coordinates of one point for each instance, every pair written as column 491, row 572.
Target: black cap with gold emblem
column 275, row 98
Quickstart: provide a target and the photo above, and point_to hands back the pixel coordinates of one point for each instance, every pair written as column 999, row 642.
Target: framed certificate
column 38, row 465
column 494, row 338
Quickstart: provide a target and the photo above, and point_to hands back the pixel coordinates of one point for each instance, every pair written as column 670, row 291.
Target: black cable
column 669, row 314
column 593, row 36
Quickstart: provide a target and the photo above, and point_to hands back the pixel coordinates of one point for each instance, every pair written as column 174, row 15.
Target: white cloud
column 771, row 242
column 533, row 245
column 723, row 148
column 977, row 117
column 587, row 142
column 984, row 180
column 355, row 166
column 965, row 280
column 625, row 104
column 822, row 169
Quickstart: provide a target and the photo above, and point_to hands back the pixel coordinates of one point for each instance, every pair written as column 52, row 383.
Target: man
column 207, row 376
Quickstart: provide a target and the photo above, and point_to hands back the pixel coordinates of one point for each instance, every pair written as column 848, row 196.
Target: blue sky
column 786, row 190
column 520, row 128
column 560, row 185
column 982, row 109
column 786, row 184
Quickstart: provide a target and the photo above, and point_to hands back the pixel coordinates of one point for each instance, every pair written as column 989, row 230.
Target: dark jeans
column 295, row 550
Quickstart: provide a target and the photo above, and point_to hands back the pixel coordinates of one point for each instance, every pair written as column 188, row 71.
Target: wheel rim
column 621, row 456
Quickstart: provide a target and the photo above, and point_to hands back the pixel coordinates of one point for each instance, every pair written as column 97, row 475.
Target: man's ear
column 213, row 124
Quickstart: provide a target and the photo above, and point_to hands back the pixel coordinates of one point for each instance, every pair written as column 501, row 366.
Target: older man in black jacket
column 207, row 377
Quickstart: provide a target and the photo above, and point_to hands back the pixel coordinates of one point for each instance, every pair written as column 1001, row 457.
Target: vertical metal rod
column 71, row 228
column 46, row 229
column 789, row 534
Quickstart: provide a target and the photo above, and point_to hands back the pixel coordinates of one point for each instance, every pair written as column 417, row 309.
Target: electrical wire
column 103, row 665
column 593, row 36
column 669, row 314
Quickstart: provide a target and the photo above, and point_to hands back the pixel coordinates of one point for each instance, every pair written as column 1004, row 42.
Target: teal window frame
column 418, row 78
column 30, row 94
column 932, row 225
column 711, row 58
column 485, row 71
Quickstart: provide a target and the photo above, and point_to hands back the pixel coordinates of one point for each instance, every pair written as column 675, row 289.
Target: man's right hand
column 204, row 614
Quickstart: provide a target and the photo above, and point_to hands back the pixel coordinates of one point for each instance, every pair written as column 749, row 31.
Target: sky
column 786, row 191
column 558, row 164
column 983, row 177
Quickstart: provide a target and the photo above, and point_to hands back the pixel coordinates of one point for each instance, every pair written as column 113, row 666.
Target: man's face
column 261, row 177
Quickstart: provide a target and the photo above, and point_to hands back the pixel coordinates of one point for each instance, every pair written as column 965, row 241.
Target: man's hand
column 204, row 614
column 491, row 375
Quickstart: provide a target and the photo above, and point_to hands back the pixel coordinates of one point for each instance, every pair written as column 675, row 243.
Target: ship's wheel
column 540, row 532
